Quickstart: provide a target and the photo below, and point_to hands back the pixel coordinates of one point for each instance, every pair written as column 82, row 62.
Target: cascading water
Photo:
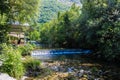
column 49, row 54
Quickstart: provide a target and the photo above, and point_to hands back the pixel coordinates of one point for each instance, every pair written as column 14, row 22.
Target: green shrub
column 31, row 63
column 12, row 63
column 25, row 50
column 32, row 66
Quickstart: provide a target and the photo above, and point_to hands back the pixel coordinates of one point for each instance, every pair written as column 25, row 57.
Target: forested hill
column 50, row 8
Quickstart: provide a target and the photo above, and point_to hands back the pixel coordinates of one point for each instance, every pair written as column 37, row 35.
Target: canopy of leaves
column 11, row 11
column 23, row 10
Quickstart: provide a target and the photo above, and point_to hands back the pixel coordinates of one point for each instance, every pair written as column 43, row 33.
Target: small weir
column 48, row 54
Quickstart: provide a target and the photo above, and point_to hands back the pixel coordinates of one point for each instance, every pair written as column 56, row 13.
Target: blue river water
column 57, row 53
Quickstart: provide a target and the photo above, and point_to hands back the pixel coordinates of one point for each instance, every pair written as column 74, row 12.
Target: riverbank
column 82, row 69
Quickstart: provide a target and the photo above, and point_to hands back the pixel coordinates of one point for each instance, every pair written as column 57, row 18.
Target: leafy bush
column 25, row 50
column 32, row 66
column 12, row 63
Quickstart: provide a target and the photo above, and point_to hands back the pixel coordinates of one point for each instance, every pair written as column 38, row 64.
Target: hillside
column 50, row 8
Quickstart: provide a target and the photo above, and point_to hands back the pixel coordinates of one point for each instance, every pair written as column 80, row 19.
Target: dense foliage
column 12, row 11
column 23, row 11
column 26, row 49
column 95, row 26
column 4, row 9
column 12, row 63
column 34, row 34
column 16, row 10
column 100, row 27
column 61, row 32
column 3, row 33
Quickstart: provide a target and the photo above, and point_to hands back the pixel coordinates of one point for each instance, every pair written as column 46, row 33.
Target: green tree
column 4, row 9
column 34, row 35
column 12, row 11
column 23, row 10
column 100, row 27
column 59, row 32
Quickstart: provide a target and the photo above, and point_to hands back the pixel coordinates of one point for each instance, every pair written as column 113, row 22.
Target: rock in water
column 5, row 77
column 82, row 71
